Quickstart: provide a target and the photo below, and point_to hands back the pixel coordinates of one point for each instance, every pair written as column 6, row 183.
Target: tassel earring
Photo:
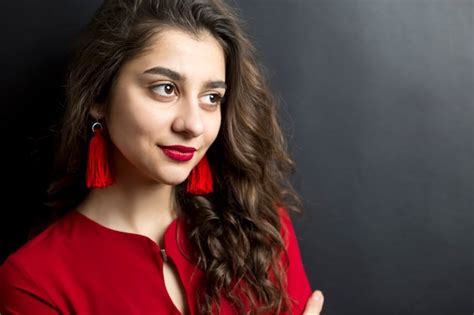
column 200, row 179
column 98, row 173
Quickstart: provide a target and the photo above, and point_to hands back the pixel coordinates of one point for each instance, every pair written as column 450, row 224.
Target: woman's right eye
column 165, row 89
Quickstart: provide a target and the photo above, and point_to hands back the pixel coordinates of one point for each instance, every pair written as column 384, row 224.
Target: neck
column 145, row 209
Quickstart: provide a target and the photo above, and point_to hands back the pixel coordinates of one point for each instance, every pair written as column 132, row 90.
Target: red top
column 77, row 266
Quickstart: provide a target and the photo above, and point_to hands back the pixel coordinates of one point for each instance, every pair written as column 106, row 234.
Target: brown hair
column 236, row 229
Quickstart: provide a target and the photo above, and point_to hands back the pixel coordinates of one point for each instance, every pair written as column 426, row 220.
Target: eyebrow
column 178, row 77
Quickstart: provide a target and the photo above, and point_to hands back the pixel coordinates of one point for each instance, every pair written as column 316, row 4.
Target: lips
column 180, row 148
column 179, row 152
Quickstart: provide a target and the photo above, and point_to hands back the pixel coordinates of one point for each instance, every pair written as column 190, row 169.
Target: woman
column 171, row 191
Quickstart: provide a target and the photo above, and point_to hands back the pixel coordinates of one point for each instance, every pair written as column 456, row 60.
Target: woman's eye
column 164, row 89
column 213, row 99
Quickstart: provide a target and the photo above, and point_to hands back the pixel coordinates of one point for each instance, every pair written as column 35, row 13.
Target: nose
column 188, row 118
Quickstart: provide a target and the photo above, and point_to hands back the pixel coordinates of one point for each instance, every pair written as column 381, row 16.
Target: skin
column 148, row 110
column 314, row 305
column 151, row 110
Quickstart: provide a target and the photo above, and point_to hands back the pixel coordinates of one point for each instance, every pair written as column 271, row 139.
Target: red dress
column 77, row 266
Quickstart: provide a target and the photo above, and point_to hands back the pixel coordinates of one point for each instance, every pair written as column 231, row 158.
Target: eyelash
column 220, row 99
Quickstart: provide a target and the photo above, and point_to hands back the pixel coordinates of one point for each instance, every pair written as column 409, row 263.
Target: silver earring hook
column 96, row 125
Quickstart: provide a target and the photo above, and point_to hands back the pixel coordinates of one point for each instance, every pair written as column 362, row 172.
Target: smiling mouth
column 177, row 155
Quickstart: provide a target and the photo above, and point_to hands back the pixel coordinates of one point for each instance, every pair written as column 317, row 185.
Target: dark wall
column 377, row 100
column 35, row 39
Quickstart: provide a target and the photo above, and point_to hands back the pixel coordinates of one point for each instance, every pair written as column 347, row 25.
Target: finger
column 314, row 304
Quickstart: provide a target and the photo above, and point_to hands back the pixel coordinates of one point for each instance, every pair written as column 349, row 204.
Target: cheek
column 123, row 123
column 214, row 126
column 134, row 116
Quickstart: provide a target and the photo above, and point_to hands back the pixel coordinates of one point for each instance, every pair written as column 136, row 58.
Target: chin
column 172, row 176
column 172, row 181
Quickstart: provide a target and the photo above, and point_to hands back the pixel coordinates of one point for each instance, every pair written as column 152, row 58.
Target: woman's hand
column 314, row 304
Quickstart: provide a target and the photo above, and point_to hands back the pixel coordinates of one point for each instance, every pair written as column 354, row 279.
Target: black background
column 376, row 97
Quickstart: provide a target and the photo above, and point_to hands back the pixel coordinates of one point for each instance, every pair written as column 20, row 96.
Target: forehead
column 184, row 53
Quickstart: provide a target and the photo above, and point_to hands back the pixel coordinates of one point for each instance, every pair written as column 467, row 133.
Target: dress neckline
column 106, row 229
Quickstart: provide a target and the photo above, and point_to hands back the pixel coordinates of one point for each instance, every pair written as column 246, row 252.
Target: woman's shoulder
column 286, row 228
column 43, row 246
column 28, row 273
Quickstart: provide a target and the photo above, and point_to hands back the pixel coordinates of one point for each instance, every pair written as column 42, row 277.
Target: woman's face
column 169, row 95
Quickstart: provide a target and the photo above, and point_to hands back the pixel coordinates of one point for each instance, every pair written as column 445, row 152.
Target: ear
column 96, row 111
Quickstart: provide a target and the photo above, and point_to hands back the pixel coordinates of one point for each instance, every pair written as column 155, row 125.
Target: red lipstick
column 178, row 152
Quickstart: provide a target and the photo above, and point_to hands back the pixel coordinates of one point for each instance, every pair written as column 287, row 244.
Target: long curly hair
column 235, row 229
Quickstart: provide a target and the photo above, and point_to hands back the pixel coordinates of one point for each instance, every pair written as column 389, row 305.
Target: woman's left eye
column 214, row 98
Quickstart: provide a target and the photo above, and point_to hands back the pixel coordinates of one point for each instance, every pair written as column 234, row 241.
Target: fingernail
column 317, row 296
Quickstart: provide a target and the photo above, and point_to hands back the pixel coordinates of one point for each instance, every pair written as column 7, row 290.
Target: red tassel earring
column 98, row 171
column 200, row 179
